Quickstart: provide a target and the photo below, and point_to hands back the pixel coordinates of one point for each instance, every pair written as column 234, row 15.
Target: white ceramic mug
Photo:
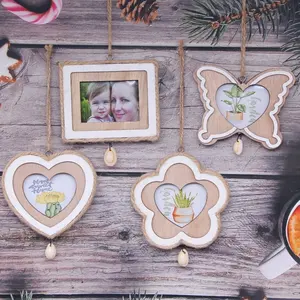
column 283, row 258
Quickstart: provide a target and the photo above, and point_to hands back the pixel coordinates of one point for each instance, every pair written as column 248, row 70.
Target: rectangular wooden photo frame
column 109, row 101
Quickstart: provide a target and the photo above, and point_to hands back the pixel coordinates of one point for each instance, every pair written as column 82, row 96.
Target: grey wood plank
column 85, row 23
column 22, row 115
column 115, row 297
column 106, row 253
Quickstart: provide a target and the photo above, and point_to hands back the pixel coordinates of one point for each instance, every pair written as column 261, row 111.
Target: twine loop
column 181, row 129
column 242, row 79
column 244, row 40
column 49, row 51
column 109, row 19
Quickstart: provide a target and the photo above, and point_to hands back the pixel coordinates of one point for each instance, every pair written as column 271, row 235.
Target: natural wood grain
column 85, row 23
column 22, row 116
column 106, row 252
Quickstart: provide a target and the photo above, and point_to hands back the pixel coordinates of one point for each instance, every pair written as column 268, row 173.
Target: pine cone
column 139, row 10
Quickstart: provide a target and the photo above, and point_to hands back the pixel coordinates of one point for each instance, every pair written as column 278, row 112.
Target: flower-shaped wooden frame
column 180, row 169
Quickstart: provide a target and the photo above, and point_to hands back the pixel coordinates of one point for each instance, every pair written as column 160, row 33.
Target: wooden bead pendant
column 238, row 146
column 50, row 251
column 110, row 157
column 183, row 258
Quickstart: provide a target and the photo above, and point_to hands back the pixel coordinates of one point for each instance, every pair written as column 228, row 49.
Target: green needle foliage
column 139, row 296
column 24, row 295
column 181, row 200
column 209, row 19
column 293, row 45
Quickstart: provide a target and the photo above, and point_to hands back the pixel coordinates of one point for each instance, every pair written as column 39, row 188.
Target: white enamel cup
column 283, row 258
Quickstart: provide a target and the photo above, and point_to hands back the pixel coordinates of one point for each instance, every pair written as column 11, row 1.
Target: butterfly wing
column 266, row 129
column 214, row 125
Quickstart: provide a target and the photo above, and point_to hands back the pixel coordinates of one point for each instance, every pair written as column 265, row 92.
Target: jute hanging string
column 238, row 145
column 109, row 19
column 110, row 156
column 49, row 49
column 181, row 113
column 242, row 77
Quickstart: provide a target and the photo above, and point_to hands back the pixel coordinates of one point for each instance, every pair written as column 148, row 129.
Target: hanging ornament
column 236, row 106
column 100, row 88
column 7, row 64
column 49, row 192
column 180, row 202
column 32, row 17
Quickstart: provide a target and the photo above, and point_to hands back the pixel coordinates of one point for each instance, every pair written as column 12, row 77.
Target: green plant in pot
column 237, row 109
column 183, row 210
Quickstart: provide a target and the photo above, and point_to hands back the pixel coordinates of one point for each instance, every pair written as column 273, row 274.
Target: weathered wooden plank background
column 105, row 253
column 85, row 23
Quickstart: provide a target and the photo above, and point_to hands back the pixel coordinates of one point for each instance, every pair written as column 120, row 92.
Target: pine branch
column 24, row 295
column 138, row 296
column 293, row 45
column 209, row 19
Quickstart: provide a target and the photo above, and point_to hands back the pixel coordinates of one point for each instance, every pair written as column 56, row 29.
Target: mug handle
column 277, row 263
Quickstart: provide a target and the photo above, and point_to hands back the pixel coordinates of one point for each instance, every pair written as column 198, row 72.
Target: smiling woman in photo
column 124, row 101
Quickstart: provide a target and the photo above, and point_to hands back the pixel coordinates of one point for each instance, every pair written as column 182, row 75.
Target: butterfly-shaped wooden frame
column 266, row 129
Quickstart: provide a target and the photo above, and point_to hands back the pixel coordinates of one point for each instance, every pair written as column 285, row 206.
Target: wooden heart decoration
column 49, row 193
column 241, row 108
column 181, row 206
column 180, row 182
column 251, row 108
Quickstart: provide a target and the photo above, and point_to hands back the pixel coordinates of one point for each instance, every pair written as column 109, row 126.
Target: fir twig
column 209, row 19
column 293, row 45
column 139, row 296
column 24, row 295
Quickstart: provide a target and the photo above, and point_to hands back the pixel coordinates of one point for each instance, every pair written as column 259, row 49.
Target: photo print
column 109, row 101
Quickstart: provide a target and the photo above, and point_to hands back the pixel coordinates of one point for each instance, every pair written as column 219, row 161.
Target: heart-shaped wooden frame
column 29, row 163
column 180, row 169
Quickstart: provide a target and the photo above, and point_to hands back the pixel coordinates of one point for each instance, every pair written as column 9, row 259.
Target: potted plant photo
column 237, row 109
column 183, row 210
